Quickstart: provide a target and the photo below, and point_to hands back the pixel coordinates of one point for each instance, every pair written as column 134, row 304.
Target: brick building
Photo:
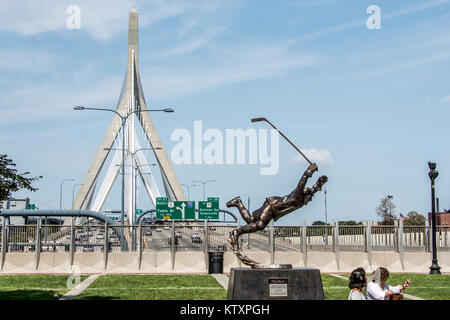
column 442, row 218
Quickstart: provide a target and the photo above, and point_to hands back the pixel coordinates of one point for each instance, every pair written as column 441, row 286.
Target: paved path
column 405, row 295
column 222, row 279
column 79, row 288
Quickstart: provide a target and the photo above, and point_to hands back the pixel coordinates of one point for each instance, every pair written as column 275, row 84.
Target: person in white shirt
column 378, row 289
column 356, row 283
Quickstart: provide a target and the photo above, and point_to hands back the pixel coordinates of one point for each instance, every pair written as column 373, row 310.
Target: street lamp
column 390, row 205
column 326, row 218
column 204, row 183
column 60, row 197
column 189, row 188
column 433, row 174
column 73, row 191
column 60, row 192
column 134, row 168
column 124, row 119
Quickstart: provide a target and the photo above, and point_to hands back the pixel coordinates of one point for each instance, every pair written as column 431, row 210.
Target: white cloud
column 231, row 65
column 385, row 16
column 54, row 99
column 319, row 156
column 30, row 61
column 196, row 42
column 34, row 102
column 100, row 18
column 446, row 99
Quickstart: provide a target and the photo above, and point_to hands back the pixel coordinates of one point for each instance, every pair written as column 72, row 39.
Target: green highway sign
column 176, row 210
column 139, row 211
column 208, row 210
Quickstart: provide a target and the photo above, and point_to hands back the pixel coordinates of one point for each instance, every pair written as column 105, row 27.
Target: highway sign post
column 174, row 210
column 208, row 210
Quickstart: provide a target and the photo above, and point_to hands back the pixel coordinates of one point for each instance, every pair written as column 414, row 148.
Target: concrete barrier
column 194, row 262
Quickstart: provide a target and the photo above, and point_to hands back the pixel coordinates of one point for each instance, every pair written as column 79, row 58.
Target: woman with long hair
column 378, row 289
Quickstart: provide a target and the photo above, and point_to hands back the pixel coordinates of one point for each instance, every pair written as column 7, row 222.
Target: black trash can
column 215, row 262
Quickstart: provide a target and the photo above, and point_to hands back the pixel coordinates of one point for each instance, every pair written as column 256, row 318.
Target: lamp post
column 60, row 195
column 326, row 218
column 123, row 168
column 433, row 174
column 204, row 183
column 124, row 119
column 135, row 179
column 189, row 188
column 73, row 191
column 60, row 192
column 390, row 217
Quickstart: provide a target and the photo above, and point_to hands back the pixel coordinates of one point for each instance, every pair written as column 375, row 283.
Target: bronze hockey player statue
column 273, row 208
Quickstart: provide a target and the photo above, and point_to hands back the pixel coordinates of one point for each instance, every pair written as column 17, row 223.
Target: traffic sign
column 208, row 210
column 176, row 210
column 139, row 211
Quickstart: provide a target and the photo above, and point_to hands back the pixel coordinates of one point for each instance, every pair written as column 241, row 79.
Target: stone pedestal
column 271, row 283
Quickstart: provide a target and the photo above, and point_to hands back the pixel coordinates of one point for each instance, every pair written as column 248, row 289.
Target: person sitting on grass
column 378, row 289
column 356, row 283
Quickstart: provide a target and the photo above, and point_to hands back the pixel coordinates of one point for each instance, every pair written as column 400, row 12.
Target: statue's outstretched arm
column 306, row 175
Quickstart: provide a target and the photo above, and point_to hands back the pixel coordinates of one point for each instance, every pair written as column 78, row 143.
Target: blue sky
column 375, row 103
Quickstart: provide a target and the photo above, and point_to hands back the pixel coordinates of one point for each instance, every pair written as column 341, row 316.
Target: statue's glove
column 309, row 172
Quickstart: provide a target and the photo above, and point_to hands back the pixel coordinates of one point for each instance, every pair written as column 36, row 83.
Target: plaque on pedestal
column 275, row 283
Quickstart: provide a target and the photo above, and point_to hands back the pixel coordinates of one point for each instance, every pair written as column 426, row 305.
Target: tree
column 11, row 181
column 414, row 218
column 350, row 223
column 385, row 210
column 319, row 223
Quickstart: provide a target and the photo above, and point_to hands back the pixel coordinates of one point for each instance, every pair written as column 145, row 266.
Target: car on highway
column 158, row 229
column 88, row 249
column 166, row 228
column 148, row 232
column 196, row 239
column 100, row 236
column 83, row 236
column 178, row 234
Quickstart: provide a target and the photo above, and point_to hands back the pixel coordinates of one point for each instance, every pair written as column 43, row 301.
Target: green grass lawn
column 154, row 287
column 429, row 287
column 334, row 288
column 33, row 287
column 188, row 287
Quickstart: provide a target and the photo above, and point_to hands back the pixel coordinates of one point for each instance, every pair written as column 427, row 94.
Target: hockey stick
column 264, row 119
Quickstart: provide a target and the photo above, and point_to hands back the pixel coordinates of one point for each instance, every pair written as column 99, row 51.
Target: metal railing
column 212, row 237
